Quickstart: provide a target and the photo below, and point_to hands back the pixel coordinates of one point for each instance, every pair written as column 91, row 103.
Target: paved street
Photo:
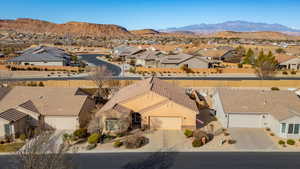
column 92, row 60
column 251, row 139
column 205, row 160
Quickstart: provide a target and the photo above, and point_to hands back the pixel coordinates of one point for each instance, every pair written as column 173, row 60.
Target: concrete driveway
column 166, row 140
column 251, row 139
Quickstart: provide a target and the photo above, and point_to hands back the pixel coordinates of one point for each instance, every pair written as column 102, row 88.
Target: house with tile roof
column 181, row 59
column 42, row 56
column 252, row 108
column 292, row 63
column 150, row 103
column 44, row 107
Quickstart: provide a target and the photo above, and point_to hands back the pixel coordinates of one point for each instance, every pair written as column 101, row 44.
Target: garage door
column 165, row 123
column 244, row 120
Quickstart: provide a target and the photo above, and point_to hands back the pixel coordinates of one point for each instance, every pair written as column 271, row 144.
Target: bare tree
column 100, row 76
column 42, row 152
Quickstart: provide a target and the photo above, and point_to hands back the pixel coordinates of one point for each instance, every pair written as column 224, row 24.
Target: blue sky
column 156, row 14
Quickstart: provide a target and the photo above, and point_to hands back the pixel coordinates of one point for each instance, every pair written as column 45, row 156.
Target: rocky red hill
column 70, row 28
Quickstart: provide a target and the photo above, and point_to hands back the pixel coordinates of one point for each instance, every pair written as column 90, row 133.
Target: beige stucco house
column 150, row 103
column 46, row 107
column 292, row 63
column 179, row 60
column 277, row 110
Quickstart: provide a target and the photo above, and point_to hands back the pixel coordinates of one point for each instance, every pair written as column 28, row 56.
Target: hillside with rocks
column 71, row 28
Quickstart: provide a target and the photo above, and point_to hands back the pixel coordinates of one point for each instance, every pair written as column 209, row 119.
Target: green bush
column 281, row 142
column 66, row 137
column 285, row 73
column 81, row 133
column 291, row 142
column 188, row 133
column 275, row 89
column 197, row 143
column 94, row 138
column 118, row 143
column 22, row 137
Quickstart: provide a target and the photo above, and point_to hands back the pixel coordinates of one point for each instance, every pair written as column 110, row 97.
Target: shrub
column 197, row 143
column 66, row 137
column 81, row 133
column 281, row 142
column 188, row 133
column 41, row 84
column 198, row 134
column 268, row 129
column 91, row 146
column 293, row 72
column 135, row 142
column 272, row 134
column 275, row 88
column 94, row 138
column 120, row 134
column 285, row 73
column 22, row 137
column 231, row 141
column 290, row 142
column 118, row 144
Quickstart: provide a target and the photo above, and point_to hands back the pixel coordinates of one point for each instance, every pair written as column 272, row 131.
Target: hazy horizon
column 155, row 14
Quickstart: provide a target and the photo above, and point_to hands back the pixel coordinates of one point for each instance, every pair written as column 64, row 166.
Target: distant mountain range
column 236, row 26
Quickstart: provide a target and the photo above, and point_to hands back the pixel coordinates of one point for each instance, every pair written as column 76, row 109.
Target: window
column 296, row 130
column 7, row 129
column 291, row 128
column 283, row 127
column 112, row 125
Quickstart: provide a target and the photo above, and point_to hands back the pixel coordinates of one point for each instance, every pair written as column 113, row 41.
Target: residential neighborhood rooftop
column 47, row 101
column 168, row 90
column 41, row 54
column 280, row 104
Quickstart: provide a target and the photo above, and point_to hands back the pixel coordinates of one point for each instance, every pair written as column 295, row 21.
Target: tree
column 265, row 65
column 280, row 50
column 43, row 153
column 249, row 58
column 100, row 76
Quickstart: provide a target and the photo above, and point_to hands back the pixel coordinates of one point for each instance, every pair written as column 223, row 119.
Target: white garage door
column 166, row 123
column 244, row 120
column 62, row 123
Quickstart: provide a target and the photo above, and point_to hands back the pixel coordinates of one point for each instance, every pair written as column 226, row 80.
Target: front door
column 136, row 120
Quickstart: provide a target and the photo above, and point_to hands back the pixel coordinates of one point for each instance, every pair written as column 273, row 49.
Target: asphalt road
column 92, row 59
column 202, row 160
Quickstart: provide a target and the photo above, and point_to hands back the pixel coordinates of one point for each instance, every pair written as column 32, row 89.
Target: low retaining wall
column 187, row 83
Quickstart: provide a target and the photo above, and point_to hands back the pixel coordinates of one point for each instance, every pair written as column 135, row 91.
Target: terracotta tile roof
column 165, row 89
column 12, row 115
column 280, row 104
